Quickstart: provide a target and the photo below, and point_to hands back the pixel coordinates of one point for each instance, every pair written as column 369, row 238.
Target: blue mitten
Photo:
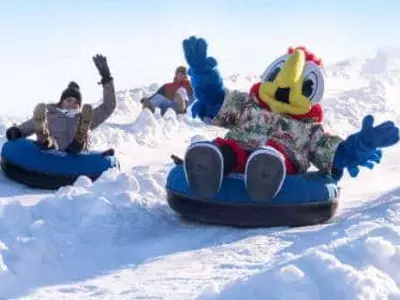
column 206, row 81
column 361, row 148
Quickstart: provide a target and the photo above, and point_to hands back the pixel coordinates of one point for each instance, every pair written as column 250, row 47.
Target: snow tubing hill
column 306, row 199
column 23, row 161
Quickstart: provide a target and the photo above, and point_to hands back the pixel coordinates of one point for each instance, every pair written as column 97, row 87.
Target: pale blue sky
column 45, row 44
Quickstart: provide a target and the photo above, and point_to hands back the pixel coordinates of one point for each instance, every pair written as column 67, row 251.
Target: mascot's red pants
column 242, row 155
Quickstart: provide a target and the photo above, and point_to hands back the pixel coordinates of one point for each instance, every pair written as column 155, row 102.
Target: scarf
column 70, row 113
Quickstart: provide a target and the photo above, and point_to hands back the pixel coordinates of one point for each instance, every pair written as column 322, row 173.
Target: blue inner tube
column 24, row 161
column 304, row 199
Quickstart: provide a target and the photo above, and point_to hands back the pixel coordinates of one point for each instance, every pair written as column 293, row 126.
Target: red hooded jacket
column 168, row 90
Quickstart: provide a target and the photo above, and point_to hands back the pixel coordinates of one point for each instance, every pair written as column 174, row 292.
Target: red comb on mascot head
column 274, row 130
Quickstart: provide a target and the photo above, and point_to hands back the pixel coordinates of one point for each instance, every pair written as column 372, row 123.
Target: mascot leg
column 265, row 173
column 204, row 167
column 206, row 163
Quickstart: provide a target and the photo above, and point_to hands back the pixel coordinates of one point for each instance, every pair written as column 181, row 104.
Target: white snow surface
column 118, row 239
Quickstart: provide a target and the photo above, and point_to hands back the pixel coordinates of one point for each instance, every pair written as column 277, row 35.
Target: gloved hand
column 361, row 148
column 101, row 64
column 13, row 133
column 375, row 157
column 206, row 81
column 195, row 50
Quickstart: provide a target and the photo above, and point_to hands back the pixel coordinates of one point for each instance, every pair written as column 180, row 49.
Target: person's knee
column 181, row 103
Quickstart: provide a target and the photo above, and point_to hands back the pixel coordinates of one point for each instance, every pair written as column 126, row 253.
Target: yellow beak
column 291, row 70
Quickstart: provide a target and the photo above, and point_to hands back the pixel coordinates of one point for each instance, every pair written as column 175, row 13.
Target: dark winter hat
column 72, row 91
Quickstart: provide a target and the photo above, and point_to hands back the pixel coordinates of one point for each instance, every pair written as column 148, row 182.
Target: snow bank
column 351, row 259
column 79, row 228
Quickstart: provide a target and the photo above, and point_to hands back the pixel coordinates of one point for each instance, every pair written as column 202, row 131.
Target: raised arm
column 105, row 109
column 213, row 103
column 206, row 81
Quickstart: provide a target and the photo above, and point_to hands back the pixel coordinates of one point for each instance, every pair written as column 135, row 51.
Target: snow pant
column 179, row 103
column 241, row 155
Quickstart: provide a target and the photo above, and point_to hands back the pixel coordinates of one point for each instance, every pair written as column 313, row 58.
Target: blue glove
column 206, row 81
column 361, row 148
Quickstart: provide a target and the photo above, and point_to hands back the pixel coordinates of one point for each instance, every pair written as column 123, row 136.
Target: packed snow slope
column 118, row 239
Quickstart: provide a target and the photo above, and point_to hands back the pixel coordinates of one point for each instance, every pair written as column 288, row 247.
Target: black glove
column 109, row 152
column 13, row 133
column 101, row 64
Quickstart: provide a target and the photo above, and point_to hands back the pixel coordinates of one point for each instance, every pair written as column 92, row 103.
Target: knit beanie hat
column 72, row 91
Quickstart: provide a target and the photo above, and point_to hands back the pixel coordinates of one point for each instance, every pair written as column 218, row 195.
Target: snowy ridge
column 358, row 259
column 117, row 238
column 65, row 231
column 360, row 86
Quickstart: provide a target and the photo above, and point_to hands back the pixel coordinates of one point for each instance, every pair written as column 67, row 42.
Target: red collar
column 314, row 115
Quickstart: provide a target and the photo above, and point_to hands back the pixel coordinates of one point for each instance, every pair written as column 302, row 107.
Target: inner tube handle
column 177, row 160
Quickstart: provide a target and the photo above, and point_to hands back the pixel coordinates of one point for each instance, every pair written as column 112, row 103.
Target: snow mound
column 80, row 228
column 354, row 259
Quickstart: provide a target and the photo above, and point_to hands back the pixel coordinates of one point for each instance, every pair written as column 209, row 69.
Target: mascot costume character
column 275, row 130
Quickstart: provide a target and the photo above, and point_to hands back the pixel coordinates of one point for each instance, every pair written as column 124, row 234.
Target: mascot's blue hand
column 383, row 135
column 195, row 51
column 206, row 81
column 361, row 149
column 375, row 157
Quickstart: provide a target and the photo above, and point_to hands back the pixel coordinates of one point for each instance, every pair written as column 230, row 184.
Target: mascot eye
column 307, row 88
column 313, row 82
column 272, row 71
column 271, row 76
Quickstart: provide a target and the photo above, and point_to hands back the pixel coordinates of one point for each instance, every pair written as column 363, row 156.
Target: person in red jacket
column 175, row 94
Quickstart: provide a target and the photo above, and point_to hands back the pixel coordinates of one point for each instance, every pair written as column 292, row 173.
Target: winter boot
column 42, row 132
column 264, row 174
column 147, row 104
column 181, row 104
column 205, row 165
column 82, row 132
